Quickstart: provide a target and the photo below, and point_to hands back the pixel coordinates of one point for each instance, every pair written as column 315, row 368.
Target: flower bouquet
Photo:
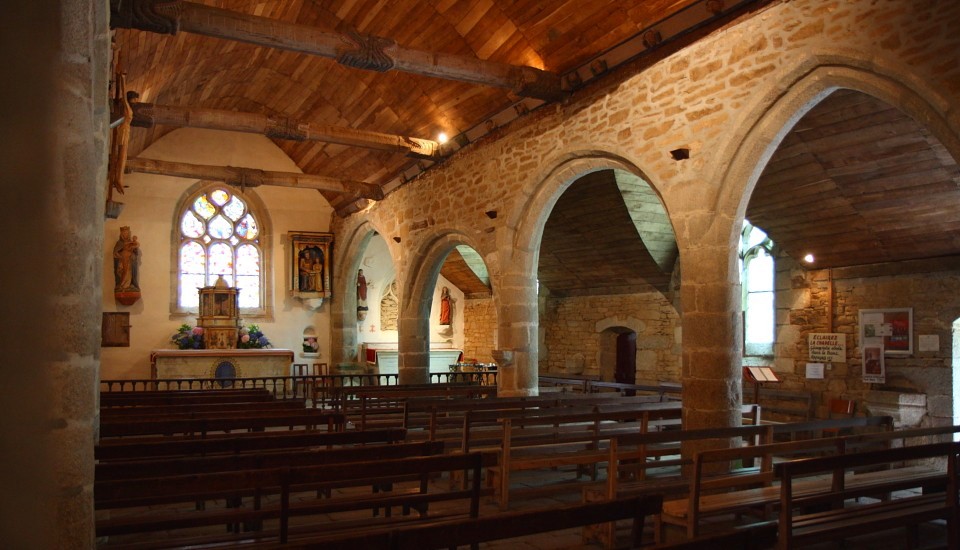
column 188, row 337
column 310, row 344
column 252, row 337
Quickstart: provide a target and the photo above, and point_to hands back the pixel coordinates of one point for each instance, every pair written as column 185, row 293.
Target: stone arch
column 416, row 287
column 711, row 358
column 751, row 145
column 343, row 313
column 519, row 326
column 608, row 330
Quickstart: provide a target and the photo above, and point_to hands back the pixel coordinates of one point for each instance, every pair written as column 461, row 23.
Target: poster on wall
column 874, row 370
column 893, row 326
column 827, row 347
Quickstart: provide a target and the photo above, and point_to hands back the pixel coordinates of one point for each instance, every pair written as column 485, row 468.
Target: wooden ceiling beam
column 146, row 115
column 252, row 177
column 351, row 49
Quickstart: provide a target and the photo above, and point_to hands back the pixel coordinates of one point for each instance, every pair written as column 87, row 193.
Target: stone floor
column 933, row 535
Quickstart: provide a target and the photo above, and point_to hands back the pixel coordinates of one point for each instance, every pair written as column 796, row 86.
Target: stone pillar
column 54, row 160
column 413, row 357
column 710, row 296
column 518, row 323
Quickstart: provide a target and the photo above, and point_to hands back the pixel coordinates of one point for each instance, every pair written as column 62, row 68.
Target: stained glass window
column 219, row 236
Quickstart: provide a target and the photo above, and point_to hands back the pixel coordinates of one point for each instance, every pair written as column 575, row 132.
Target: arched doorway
column 618, row 355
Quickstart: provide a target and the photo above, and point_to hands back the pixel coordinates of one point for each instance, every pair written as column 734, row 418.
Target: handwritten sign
column 827, row 347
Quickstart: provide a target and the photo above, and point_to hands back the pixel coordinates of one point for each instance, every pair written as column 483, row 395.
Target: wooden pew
column 783, row 405
column 846, row 515
column 313, row 418
column 259, row 459
column 283, row 482
column 558, row 437
column 384, row 406
column 444, row 419
column 159, row 410
column 630, row 456
column 137, row 449
column 451, row 533
column 132, row 399
column 740, row 479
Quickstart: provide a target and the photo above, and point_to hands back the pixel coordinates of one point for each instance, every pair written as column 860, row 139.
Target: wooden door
column 626, row 371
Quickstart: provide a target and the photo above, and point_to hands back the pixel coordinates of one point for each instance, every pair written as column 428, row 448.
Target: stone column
column 710, row 296
column 54, row 160
column 413, row 357
column 518, row 318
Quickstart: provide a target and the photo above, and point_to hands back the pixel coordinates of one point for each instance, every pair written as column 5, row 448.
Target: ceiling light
column 808, row 258
column 442, row 138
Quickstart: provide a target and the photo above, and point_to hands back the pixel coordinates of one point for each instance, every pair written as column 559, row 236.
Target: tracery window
column 757, row 280
column 219, row 235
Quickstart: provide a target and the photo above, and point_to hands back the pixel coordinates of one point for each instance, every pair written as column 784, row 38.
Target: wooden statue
column 126, row 268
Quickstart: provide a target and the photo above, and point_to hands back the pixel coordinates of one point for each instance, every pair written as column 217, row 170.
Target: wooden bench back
column 129, row 449
column 300, row 418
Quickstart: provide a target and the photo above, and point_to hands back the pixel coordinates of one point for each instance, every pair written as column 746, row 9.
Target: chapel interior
column 641, row 192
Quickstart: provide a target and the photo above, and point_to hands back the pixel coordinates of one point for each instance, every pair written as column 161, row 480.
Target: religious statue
column 446, row 307
column 361, row 296
column 126, row 267
column 310, row 268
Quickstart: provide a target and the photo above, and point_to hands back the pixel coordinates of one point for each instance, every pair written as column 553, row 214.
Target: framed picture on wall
column 894, row 327
column 311, row 264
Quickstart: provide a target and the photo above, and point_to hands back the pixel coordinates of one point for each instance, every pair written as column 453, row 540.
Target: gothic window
column 757, row 280
column 219, row 235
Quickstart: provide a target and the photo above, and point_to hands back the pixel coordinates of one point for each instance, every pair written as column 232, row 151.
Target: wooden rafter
column 251, row 177
column 146, row 115
column 352, row 49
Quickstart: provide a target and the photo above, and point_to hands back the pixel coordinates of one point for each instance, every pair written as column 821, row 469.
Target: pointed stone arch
column 417, row 283
column 343, row 313
column 519, row 325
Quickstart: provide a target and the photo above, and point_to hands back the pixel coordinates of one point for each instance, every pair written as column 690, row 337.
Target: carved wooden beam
column 351, row 49
column 146, row 115
column 252, row 177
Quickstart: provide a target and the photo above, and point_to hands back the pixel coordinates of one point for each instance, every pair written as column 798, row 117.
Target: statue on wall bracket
column 311, row 266
column 126, row 268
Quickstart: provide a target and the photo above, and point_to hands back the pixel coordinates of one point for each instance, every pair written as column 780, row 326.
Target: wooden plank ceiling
column 858, row 182
column 198, row 71
column 855, row 182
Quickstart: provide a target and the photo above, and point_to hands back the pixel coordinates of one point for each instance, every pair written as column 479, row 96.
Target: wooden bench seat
column 846, row 515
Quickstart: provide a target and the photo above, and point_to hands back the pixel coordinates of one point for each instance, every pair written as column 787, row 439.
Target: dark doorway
column 626, row 371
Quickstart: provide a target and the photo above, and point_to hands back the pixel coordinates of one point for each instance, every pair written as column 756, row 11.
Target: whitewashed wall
column 150, row 202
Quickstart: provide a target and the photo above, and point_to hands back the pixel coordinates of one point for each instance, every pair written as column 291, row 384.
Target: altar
column 219, row 363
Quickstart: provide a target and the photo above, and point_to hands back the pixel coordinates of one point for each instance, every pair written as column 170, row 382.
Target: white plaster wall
column 150, row 202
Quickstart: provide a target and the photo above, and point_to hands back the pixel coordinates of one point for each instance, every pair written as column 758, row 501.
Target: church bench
column 565, row 438
column 451, row 533
column 443, row 419
column 383, row 407
column 755, row 536
column 630, row 456
column 783, row 405
column 740, row 479
column 299, row 418
column 847, row 515
column 260, row 459
column 178, row 397
column 597, row 386
column 566, row 383
column 282, row 482
column 133, row 410
column 139, row 448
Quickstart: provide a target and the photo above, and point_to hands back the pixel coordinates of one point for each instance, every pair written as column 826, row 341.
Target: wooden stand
column 759, row 375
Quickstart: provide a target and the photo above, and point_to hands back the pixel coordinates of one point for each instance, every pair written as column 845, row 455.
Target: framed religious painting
column 311, row 265
column 889, row 329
